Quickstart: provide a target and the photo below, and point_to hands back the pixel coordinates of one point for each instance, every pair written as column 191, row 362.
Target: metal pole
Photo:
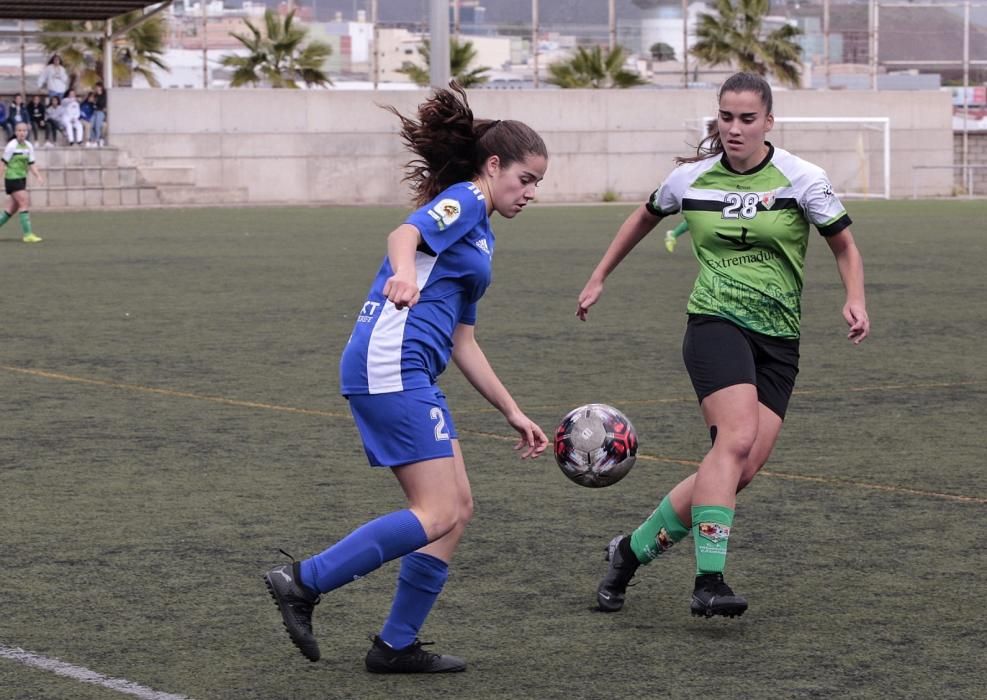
column 375, row 57
column 685, row 44
column 205, row 56
column 613, row 24
column 872, row 35
column 826, row 40
column 108, row 56
column 966, row 96
column 20, row 25
column 534, row 41
column 439, row 43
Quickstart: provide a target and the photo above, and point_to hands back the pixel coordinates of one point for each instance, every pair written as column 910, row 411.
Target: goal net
column 854, row 151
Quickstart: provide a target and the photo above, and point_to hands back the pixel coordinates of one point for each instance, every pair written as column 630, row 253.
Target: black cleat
column 713, row 596
column 610, row 592
column 295, row 602
column 412, row 659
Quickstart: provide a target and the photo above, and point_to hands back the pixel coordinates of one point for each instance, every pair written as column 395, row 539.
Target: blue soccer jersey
column 393, row 350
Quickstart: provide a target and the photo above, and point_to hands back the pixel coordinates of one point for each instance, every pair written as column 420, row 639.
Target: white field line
column 84, row 675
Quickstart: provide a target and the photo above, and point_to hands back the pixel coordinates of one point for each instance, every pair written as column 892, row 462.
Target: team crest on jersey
column 445, row 213
column 714, row 532
column 768, row 198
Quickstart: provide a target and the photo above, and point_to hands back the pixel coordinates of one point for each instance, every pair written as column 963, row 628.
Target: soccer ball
column 595, row 445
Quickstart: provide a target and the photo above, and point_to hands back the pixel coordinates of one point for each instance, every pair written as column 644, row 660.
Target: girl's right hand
column 589, row 296
column 401, row 292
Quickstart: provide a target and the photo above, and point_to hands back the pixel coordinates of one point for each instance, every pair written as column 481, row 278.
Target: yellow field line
column 693, row 464
column 172, row 393
column 645, row 457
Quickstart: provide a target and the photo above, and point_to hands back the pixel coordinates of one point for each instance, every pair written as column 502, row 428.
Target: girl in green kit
column 748, row 207
column 16, row 163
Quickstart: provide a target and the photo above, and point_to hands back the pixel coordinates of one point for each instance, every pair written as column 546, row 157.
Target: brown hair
column 738, row 82
column 451, row 146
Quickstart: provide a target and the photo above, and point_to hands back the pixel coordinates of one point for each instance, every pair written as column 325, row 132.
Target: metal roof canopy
column 70, row 9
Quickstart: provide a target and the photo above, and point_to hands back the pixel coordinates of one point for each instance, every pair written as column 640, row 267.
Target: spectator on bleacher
column 71, row 120
column 86, row 109
column 17, row 113
column 53, row 121
column 15, row 164
column 36, row 110
column 99, row 116
column 54, row 77
column 7, row 132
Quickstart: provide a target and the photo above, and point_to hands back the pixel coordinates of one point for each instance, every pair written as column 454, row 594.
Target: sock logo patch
column 714, row 532
column 663, row 541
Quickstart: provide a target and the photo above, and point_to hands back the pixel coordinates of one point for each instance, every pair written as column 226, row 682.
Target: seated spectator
column 53, row 121
column 54, row 77
column 99, row 116
column 17, row 113
column 86, row 109
column 70, row 119
column 36, row 110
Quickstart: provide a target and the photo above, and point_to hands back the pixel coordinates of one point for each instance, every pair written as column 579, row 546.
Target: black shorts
column 15, row 185
column 719, row 354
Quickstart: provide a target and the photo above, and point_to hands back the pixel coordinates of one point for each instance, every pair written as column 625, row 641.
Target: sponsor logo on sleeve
column 445, row 212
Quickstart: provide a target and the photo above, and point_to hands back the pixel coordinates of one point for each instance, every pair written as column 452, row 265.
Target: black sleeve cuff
column 835, row 227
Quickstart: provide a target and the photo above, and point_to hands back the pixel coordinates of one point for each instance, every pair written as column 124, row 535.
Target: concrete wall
column 340, row 147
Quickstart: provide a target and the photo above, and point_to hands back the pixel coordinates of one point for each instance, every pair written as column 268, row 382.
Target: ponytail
column 451, row 146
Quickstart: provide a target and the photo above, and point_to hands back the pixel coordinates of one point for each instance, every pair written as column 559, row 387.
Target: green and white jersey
column 750, row 232
column 18, row 157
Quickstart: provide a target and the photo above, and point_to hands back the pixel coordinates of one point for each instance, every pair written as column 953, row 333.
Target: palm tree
column 138, row 51
column 277, row 57
column 461, row 55
column 736, row 35
column 594, row 69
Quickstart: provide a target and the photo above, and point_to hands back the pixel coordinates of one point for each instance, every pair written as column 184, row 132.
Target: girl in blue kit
column 419, row 314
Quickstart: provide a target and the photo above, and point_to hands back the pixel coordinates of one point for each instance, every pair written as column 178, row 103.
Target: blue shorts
column 404, row 427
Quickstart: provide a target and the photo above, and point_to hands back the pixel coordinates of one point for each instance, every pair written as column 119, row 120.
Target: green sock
column 658, row 533
column 26, row 222
column 711, row 532
column 4, row 217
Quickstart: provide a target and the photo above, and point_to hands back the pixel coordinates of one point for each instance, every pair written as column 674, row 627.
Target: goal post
column 855, row 152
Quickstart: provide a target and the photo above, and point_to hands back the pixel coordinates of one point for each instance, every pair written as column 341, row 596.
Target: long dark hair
column 738, row 82
column 452, row 145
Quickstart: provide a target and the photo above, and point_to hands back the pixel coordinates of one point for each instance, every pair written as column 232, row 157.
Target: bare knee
column 734, row 443
column 440, row 519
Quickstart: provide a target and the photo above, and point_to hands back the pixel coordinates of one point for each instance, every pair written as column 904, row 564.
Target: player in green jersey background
column 748, row 206
column 16, row 162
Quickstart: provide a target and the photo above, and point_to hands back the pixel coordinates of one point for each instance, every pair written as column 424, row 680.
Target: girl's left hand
column 856, row 317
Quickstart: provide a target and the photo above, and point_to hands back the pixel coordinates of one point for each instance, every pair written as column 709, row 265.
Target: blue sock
column 419, row 584
column 363, row 550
